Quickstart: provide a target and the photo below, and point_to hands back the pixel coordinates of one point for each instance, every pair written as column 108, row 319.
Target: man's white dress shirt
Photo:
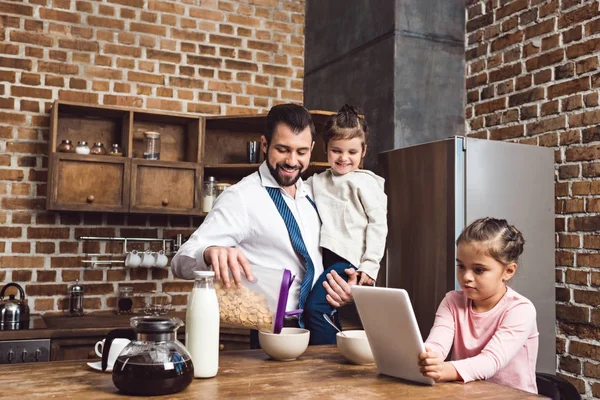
column 244, row 216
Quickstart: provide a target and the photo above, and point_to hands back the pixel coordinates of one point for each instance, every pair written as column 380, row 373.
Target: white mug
column 133, row 259
column 115, row 349
column 148, row 259
column 161, row 259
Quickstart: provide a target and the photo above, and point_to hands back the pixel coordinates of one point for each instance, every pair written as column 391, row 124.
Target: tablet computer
column 391, row 327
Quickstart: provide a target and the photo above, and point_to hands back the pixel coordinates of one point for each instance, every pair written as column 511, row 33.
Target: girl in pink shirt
column 491, row 327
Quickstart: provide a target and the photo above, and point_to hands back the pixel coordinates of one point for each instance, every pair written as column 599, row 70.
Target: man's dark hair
column 296, row 117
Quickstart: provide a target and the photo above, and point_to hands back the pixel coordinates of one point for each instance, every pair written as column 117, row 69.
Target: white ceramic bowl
column 355, row 347
column 285, row 346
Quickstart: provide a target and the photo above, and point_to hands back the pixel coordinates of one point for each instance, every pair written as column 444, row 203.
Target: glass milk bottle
column 208, row 193
column 202, row 325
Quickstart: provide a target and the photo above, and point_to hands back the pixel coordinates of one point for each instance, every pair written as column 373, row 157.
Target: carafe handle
column 112, row 335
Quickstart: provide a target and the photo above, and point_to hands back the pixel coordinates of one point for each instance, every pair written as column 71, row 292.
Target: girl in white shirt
column 352, row 206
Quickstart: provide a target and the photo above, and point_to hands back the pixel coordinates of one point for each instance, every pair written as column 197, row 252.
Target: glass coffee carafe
column 154, row 363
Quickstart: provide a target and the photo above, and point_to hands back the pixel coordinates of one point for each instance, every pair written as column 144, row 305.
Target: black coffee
column 150, row 379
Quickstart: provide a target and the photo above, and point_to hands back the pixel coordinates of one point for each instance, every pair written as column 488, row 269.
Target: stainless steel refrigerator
column 436, row 189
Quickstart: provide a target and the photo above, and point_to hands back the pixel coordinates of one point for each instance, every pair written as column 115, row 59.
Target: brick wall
column 532, row 77
column 196, row 56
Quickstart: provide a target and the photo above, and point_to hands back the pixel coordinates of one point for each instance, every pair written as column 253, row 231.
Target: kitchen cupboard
column 192, row 147
column 127, row 182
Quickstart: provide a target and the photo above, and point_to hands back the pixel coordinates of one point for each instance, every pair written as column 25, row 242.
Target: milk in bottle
column 202, row 326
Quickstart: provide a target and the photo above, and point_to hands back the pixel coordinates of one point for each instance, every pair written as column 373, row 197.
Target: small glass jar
column 208, row 193
column 98, row 149
column 116, row 150
column 76, row 300
column 66, row 147
column 152, row 148
column 82, row 148
column 220, row 188
column 125, row 300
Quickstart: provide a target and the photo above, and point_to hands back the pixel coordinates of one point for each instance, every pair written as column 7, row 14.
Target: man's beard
column 284, row 181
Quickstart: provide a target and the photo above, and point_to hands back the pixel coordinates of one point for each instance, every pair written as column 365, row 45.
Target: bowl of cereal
column 288, row 345
column 355, row 347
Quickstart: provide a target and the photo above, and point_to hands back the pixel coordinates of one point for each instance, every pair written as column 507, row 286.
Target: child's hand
column 434, row 367
column 365, row 279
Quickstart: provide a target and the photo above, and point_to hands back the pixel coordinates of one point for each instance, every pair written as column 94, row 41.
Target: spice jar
column 116, row 150
column 125, row 300
column 220, row 188
column 82, row 148
column 208, row 193
column 98, row 149
column 76, row 300
column 66, row 147
column 152, row 140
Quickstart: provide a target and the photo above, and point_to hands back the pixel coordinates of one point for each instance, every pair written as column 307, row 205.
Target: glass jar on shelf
column 82, row 148
column 220, row 188
column 152, row 145
column 98, row 149
column 66, row 147
column 116, row 150
column 125, row 300
column 208, row 193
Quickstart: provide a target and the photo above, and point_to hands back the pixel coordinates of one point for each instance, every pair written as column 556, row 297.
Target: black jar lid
column 152, row 324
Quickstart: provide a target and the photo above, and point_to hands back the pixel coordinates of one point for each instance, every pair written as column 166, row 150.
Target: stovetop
column 35, row 322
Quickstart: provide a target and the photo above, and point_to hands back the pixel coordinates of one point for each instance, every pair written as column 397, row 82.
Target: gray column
column 401, row 61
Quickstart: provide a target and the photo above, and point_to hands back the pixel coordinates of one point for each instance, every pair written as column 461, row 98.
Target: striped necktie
column 297, row 244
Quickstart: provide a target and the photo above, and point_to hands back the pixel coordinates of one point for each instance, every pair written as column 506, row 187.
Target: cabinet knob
column 165, row 202
column 90, row 199
column 221, row 346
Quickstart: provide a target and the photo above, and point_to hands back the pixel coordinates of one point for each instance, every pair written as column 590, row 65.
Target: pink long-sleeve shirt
column 499, row 345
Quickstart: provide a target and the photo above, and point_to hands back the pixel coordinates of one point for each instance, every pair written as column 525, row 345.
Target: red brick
column 591, row 99
column 545, row 60
column 31, row 38
column 586, row 223
column 578, row 15
column 58, row 68
column 569, row 87
column 546, row 125
column 572, row 35
column 580, row 49
column 148, row 28
column 15, row 63
column 501, row 74
column 507, row 132
column 243, row 66
column 61, row 16
column 584, row 119
column 572, row 103
column 163, row 56
column 21, row 262
column 14, row 8
column 587, row 65
column 529, row 96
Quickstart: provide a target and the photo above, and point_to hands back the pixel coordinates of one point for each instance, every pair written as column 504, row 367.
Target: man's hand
column 224, row 259
column 365, row 279
column 434, row 367
column 339, row 291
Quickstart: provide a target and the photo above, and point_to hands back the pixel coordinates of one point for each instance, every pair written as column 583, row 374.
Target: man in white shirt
column 245, row 228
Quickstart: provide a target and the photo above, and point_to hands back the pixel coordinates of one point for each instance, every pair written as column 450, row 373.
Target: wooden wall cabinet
column 127, row 183
column 191, row 147
column 225, row 154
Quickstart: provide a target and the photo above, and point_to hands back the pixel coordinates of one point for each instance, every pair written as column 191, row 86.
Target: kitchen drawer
column 162, row 187
column 86, row 182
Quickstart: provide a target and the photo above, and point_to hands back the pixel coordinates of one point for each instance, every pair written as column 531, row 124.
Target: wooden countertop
column 62, row 326
column 320, row 372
